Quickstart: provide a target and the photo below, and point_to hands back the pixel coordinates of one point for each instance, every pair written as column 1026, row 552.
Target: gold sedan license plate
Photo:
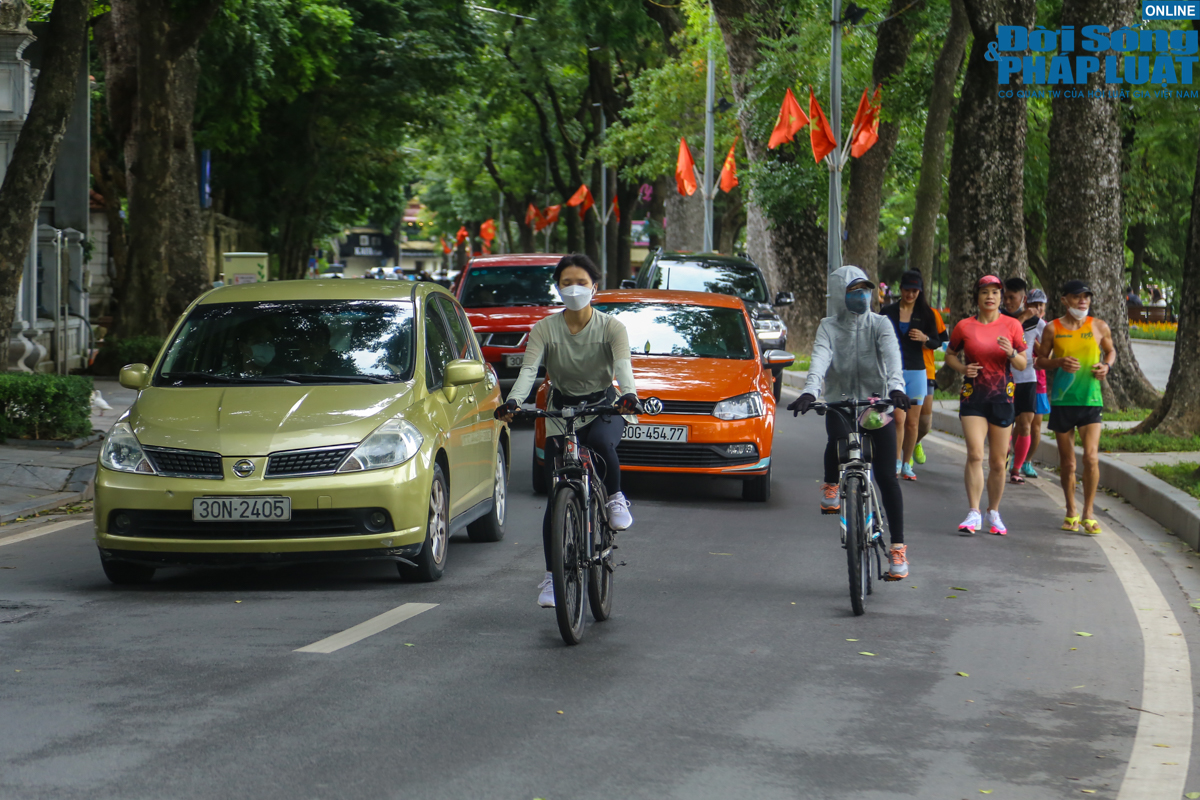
column 241, row 509
column 655, row 433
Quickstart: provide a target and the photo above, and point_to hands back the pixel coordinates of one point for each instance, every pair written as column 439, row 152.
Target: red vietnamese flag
column 862, row 115
column 729, row 171
column 823, row 142
column 487, row 231
column 868, row 134
column 462, row 235
column 791, row 120
column 548, row 218
column 583, row 199
column 685, row 169
column 532, row 215
column 445, row 247
column 616, row 208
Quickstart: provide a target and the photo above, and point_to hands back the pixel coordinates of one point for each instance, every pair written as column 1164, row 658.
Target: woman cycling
column 986, row 348
column 916, row 328
column 583, row 350
column 857, row 356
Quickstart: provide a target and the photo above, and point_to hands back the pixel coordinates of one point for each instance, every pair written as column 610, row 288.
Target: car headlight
column 122, row 452
column 392, row 443
column 744, row 406
column 768, row 325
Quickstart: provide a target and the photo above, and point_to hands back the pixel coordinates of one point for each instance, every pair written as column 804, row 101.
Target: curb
column 37, row 505
column 1174, row 509
column 57, row 444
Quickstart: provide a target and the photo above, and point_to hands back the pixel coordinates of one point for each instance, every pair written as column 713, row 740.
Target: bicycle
column 581, row 541
column 862, row 519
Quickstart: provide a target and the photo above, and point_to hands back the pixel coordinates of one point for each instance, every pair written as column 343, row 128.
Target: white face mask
column 576, row 297
column 1077, row 313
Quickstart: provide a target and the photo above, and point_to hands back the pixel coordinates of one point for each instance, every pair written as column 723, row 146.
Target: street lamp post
column 708, row 144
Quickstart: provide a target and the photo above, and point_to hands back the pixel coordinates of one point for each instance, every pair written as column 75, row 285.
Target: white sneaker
column 618, row 512
column 546, row 595
column 971, row 524
column 995, row 524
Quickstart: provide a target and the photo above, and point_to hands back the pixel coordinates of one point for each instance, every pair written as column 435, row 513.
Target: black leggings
column 883, row 460
column 601, row 436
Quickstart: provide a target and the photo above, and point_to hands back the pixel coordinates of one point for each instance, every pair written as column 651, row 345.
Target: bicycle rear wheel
column 855, row 543
column 568, row 535
column 600, row 580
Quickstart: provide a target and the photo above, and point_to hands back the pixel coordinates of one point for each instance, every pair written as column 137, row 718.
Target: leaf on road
column 962, row 674
column 1193, row 605
column 1074, row 648
column 986, row 791
column 951, row 596
column 852, row 640
column 1162, row 745
column 237, row 601
column 1088, row 791
column 865, row 653
column 958, row 588
column 408, row 644
column 1080, row 686
column 1082, row 633
column 720, row 554
column 558, row 712
column 1193, row 795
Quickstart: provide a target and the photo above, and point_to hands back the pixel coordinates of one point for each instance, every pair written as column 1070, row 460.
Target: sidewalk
column 38, row 477
column 1123, row 473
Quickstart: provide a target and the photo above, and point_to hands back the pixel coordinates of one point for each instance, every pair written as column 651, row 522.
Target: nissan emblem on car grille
column 653, row 406
column 243, row 468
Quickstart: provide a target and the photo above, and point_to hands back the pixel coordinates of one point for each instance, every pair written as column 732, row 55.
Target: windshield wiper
column 205, row 377
column 299, row 378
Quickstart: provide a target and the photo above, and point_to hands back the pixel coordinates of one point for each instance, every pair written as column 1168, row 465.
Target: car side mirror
column 784, row 299
column 628, row 283
column 462, row 371
column 134, row 376
column 778, row 359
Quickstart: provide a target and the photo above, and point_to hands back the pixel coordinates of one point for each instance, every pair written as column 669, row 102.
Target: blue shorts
column 1043, row 403
column 916, row 385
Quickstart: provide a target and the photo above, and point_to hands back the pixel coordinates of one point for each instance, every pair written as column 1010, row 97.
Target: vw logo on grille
column 243, row 468
column 653, row 406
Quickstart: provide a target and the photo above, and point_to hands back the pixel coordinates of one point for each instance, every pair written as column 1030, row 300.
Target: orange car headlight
column 744, row 406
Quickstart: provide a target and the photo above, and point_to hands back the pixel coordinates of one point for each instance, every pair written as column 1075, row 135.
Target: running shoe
column 899, row 467
column 1028, row 471
column 919, row 454
column 830, row 502
column 898, row 557
column 907, row 473
column 546, row 591
column 971, row 524
column 619, row 517
column 995, row 524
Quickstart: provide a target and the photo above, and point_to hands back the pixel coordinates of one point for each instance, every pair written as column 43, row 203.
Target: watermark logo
column 1061, row 57
column 1154, row 9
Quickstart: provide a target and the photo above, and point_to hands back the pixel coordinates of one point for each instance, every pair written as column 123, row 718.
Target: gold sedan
column 301, row 421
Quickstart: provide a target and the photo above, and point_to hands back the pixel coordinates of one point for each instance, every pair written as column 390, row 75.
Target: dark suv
column 712, row 272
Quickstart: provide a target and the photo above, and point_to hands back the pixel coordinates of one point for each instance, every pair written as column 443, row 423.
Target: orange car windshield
column 675, row 329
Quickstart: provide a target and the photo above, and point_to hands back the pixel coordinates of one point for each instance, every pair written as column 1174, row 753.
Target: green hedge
column 45, row 406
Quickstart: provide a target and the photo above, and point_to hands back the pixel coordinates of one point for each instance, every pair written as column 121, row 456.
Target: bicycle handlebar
column 878, row 403
column 572, row 412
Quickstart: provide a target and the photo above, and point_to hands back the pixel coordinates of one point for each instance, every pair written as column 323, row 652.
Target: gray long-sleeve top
column 855, row 355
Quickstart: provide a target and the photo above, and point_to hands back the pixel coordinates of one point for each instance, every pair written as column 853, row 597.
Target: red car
column 504, row 296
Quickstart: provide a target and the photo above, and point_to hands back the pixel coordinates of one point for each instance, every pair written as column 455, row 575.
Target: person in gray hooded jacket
column 856, row 355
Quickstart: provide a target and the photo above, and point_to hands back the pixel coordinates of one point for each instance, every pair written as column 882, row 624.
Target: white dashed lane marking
column 369, row 628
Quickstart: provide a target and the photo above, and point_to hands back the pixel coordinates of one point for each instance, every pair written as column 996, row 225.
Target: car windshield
column 489, row 287
column 673, row 329
column 698, row 276
column 314, row 341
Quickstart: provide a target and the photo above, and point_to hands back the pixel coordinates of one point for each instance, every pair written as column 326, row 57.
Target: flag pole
column 710, row 99
column 834, row 254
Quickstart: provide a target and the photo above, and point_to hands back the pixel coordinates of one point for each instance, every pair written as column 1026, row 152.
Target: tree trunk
column 189, row 267
column 656, row 214
column 36, row 150
column 864, row 197
column 986, row 215
column 1136, row 242
column 791, row 251
column 627, row 195
column 1035, row 242
column 933, row 152
column 733, row 219
column 1083, row 207
column 1179, row 412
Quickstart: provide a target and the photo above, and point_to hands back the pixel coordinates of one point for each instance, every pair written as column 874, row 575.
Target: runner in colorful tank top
column 1079, row 349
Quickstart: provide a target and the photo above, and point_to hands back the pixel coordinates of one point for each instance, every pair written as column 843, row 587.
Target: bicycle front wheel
column 600, row 579
column 856, row 537
column 568, row 537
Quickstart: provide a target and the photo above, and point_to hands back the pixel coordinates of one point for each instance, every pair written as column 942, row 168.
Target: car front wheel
column 430, row 563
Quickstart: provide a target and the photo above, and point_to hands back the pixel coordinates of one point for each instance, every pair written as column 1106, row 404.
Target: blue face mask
column 858, row 301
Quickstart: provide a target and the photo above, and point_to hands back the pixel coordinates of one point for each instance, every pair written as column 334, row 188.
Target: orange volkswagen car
column 704, row 384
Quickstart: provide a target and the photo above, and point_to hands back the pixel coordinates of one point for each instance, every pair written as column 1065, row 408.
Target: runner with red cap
column 985, row 349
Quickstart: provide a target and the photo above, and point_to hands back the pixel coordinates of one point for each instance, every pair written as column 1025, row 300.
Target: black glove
column 900, row 400
column 628, row 403
column 801, row 404
column 510, row 407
